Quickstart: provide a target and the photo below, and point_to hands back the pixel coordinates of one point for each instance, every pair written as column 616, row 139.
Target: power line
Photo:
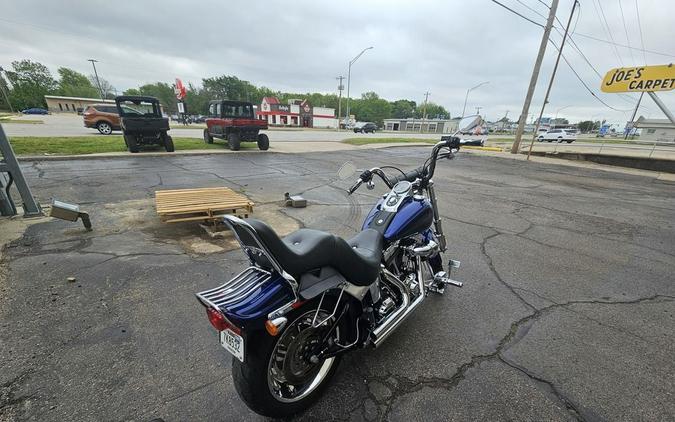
column 584, row 83
column 544, row 3
column 623, row 19
column 658, row 53
column 606, row 30
column 642, row 41
column 522, row 16
column 532, row 9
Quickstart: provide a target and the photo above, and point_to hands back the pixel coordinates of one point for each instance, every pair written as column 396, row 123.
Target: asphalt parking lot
column 567, row 313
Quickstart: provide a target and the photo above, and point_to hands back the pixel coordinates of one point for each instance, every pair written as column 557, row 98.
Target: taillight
column 219, row 321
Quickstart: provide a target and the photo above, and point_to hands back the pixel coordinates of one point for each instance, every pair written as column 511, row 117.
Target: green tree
column 433, row 111
column 132, row 91
column 403, row 109
column 196, row 100
column 31, row 81
column 75, row 84
column 163, row 92
column 371, row 108
column 109, row 91
column 587, row 126
column 231, row 88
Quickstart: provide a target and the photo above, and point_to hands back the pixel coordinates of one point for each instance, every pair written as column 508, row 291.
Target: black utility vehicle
column 142, row 122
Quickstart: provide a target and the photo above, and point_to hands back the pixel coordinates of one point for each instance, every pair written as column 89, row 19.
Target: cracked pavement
column 567, row 309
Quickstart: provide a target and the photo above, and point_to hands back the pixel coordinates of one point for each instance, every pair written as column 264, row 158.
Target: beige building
column 421, row 125
column 661, row 130
column 60, row 104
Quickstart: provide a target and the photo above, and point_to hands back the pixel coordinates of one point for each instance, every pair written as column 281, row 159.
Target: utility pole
column 4, row 93
column 424, row 111
column 340, row 88
column 550, row 83
column 535, row 75
column 478, row 109
column 93, row 63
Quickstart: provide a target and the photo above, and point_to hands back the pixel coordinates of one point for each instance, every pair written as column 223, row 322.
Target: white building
column 661, row 130
column 298, row 113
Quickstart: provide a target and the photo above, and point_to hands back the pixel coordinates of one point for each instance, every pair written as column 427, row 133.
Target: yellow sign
column 639, row 79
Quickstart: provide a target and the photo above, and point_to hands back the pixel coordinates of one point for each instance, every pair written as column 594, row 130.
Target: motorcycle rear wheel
column 257, row 381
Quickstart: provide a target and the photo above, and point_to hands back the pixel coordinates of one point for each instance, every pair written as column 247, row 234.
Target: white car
column 560, row 135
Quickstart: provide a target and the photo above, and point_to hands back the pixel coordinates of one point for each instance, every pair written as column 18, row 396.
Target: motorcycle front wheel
column 278, row 378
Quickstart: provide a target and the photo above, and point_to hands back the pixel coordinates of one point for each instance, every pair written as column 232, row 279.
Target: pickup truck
column 235, row 122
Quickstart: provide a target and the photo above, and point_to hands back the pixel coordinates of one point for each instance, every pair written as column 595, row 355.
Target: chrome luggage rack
column 243, row 285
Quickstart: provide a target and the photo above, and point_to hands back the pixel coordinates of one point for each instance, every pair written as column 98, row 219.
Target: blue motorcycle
column 308, row 298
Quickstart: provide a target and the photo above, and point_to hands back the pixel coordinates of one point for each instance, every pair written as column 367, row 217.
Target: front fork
column 441, row 278
column 438, row 227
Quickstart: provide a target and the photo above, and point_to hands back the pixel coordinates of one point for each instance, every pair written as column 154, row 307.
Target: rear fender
column 248, row 298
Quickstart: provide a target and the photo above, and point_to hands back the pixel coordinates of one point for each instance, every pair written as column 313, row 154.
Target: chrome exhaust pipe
column 394, row 320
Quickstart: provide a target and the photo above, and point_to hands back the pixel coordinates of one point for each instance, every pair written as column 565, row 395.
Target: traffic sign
column 639, row 79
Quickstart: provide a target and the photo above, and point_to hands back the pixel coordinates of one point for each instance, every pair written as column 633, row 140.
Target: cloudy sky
column 444, row 47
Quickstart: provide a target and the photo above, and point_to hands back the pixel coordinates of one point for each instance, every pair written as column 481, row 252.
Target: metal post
column 662, row 106
column 533, row 80
column 10, row 165
column 340, row 88
column 100, row 90
column 4, row 93
column 550, row 83
column 632, row 119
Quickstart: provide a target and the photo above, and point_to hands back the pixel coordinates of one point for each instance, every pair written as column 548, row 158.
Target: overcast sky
column 441, row 46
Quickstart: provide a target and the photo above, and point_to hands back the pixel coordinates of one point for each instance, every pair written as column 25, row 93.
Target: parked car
column 35, row 110
column 560, row 135
column 367, row 127
column 103, row 117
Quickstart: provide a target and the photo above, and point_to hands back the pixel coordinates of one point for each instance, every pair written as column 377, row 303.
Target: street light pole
column 467, row 95
column 349, row 78
column 93, row 63
column 559, row 110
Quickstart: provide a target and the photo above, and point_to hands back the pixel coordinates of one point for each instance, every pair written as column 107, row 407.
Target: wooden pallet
column 206, row 204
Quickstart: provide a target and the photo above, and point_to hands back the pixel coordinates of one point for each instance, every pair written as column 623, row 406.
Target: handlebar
column 409, row 176
column 423, row 172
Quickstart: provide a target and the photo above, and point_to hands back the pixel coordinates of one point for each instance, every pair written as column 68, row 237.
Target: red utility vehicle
column 235, row 121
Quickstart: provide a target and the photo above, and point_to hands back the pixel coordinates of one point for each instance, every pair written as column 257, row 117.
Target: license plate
column 233, row 343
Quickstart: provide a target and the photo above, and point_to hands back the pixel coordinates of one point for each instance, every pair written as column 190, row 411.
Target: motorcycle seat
column 357, row 259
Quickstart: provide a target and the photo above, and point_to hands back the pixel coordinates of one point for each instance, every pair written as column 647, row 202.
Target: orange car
column 103, row 117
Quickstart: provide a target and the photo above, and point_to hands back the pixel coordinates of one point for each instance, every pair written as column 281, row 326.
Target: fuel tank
column 413, row 216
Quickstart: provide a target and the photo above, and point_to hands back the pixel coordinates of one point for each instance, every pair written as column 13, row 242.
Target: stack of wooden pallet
column 205, row 204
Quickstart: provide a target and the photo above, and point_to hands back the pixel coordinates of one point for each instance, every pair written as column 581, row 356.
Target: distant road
column 71, row 125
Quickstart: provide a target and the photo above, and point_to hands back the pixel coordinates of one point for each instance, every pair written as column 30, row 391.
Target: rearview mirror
column 346, row 171
column 468, row 123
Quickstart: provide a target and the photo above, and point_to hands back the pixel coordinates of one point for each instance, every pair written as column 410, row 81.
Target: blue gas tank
column 413, row 216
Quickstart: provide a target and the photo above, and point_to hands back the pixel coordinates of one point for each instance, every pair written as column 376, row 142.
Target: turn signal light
column 219, row 321
column 275, row 326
